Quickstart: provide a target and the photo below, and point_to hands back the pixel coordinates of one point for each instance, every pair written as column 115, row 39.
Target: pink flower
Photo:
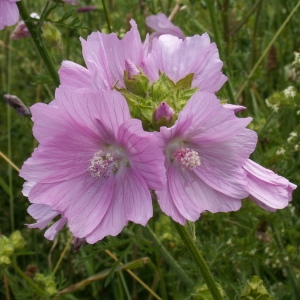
column 204, row 155
column 9, row 13
column 267, row 189
column 162, row 25
column 21, row 31
column 94, row 165
column 105, row 57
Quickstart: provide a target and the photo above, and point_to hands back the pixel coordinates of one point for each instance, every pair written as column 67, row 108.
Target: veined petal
column 221, row 164
column 9, row 13
column 131, row 201
column 178, row 58
column 43, row 214
column 105, row 55
column 211, row 122
column 72, row 74
column 192, row 196
column 144, row 154
column 53, row 230
column 267, row 189
column 162, row 25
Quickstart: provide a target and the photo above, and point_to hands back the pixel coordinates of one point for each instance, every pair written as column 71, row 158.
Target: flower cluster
column 142, row 117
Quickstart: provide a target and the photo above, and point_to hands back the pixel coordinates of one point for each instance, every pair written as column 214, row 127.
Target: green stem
column 27, row 279
column 169, row 259
column 106, row 16
column 9, row 150
column 30, row 24
column 62, row 255
column 266, row 123
column 213, row 18
column 199, row 260
column 267, row 50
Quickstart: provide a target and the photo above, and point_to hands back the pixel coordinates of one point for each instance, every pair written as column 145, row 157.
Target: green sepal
column 164, row 122
column 202, row 292
column 137, row 84
column 255, row 290
column 140, row 108
column 176, row 94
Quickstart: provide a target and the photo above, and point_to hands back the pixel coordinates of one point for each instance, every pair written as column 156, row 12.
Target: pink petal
column 144, row 154
column 105, row 56
column 162, row 25
column 9, row 13
column 192, row 196
column 72, row 74
column 131, row 201
column 43, row 215
column 221, row 164
column 211, row 121
column 52, row 231
column 179, row 58
column 234, row 108
column 267, row 189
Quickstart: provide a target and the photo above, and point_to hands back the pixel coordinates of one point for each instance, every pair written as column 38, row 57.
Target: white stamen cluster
column 101, row 165
column 187, row 158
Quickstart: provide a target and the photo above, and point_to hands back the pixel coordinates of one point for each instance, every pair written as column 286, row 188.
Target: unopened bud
column 17, row 104
column 131, row 68
column 86, row 8
column 163, row 111
column 17, row 240
column 21, row 31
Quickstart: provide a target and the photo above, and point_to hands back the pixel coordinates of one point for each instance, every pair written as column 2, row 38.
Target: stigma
column 102, row 165
column 187, row 158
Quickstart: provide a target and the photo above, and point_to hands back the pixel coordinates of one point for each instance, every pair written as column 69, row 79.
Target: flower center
column 102, row 165
column 187, row 158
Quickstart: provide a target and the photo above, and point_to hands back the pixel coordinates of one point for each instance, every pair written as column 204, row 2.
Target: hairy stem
column 30, row 24
column 199, row 260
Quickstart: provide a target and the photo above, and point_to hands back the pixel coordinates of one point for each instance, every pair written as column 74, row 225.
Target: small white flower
column 280, row 151
column 293, row 134
column 290, row 92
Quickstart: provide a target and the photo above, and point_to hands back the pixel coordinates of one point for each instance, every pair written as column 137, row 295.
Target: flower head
column 204, row 155
column 9, row 13
column 107, row 58
column 94, row 164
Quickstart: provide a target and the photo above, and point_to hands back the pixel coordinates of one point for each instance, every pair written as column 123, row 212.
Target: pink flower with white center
column 107, row 58
column 9, row 13
column 94, row 165
column 162, row 25
column 205, row 152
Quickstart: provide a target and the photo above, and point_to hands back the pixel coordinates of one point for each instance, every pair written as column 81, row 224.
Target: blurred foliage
column 237, row 245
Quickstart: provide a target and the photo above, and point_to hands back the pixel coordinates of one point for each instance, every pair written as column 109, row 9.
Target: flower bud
column 17, row 104
column 163, row 111
column 21, row 31
column 131, row 68
column 86, row 8
column 17, row 240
